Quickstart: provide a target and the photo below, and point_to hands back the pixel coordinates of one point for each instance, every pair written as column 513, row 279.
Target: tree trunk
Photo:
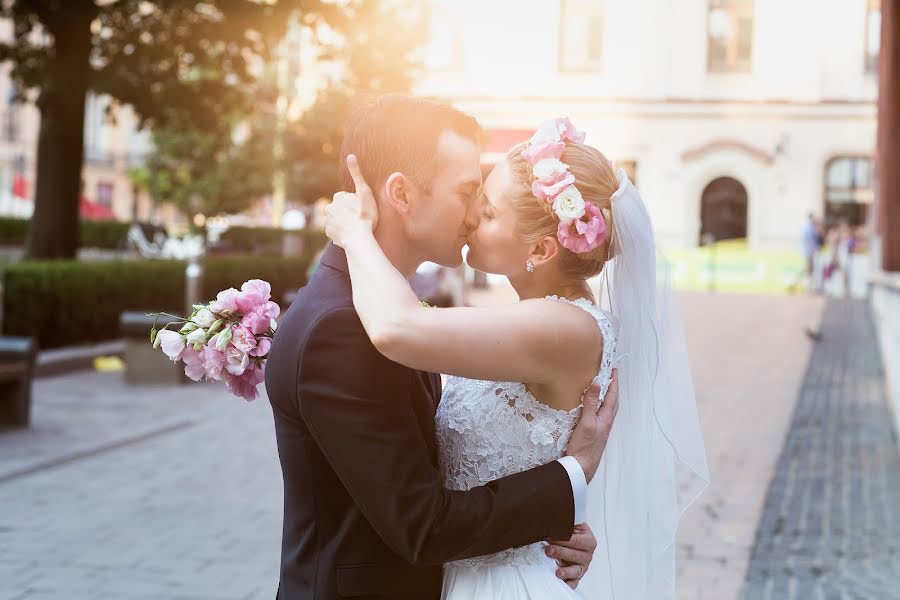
column 53, row 232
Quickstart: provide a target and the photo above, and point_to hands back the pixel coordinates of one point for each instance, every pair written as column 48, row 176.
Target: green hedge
column 114, row 234
column 268, row 240
column 65, row 303
column 13, row 231
column 92, row 234
column 103, row 234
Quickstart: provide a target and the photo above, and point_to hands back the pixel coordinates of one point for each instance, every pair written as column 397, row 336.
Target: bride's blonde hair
column 597, row 182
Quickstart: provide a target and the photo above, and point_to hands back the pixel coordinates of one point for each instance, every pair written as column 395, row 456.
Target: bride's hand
column 351, row 214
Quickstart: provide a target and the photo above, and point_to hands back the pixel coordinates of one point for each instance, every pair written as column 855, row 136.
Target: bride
column 554, row 214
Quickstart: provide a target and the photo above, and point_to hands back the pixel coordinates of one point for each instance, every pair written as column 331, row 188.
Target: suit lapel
column 336, row 258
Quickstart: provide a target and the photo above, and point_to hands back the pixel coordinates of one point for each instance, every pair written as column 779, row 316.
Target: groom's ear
column 397, row 191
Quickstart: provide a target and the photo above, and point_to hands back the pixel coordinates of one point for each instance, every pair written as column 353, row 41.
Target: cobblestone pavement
column 831, row 525
column 748, row 354
column 139, row 492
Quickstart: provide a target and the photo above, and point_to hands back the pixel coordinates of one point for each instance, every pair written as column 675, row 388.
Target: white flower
column 172, row 343
column 569, row 204
column 204, row 318
column 198, row 336
column 549, row 168
column 547, row 133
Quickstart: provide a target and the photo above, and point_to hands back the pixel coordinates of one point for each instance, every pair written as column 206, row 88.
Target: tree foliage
column 163, row 57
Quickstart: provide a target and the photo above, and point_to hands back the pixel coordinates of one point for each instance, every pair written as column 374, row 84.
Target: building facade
column 113, row 145
column 735, row 118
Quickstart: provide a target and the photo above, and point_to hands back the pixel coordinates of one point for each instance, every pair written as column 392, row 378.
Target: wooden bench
column 17, row 356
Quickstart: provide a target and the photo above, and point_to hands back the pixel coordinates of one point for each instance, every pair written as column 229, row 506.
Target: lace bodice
column 487, row 430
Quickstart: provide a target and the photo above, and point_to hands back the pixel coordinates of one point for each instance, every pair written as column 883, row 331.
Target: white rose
column 549, row 168
column 172, row 343
column 569, row 204
column 198, row 336
column 204, row 318
column 547, row 133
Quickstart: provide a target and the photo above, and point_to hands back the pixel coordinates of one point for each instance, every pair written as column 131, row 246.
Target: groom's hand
column 592, row 431
column 574, row 556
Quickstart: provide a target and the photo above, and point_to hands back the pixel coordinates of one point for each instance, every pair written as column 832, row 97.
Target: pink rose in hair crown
column 590, row 230
column 228, row 339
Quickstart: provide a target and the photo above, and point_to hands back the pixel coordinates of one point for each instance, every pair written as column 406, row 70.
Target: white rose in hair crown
column 226, row 340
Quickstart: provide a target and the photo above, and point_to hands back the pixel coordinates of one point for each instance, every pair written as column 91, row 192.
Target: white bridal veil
column 654, row 465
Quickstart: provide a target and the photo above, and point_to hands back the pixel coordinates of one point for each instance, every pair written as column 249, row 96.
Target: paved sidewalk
column 139, row 493
column 831, row 526
column 747, row 355
column 122, row 492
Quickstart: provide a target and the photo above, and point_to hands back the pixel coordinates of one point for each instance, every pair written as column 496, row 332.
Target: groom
column 365, row 511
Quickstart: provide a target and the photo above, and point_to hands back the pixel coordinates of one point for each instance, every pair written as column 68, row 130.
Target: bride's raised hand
column 350, row 214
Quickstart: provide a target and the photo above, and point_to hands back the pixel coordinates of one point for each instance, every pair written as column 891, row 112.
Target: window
column 848, row 189
column 445, row 48
column 873, row 34
column 105, row 194
column 729, row 27
column 580, row 35
column 95, row 128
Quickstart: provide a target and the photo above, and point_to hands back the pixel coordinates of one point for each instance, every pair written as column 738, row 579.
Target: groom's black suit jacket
column 365, row 512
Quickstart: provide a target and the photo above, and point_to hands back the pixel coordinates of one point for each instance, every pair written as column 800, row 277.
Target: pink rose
column 567, row 131
column 213, row 361
column 263, row 345
column 547, row 189
column 235, row 361
column 193, row 365
column 172, row 343
column 260, row 319
column 269, row 309
column 245, row 385
column 255, row 323
column 225, row 302
column 537, row 152
column 243, row 339
column 254, row 293
column 590, row 230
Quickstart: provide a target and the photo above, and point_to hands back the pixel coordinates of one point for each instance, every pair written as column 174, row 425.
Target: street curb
column 75, row 358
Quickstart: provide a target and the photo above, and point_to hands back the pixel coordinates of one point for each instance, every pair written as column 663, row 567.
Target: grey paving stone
column 831, row 522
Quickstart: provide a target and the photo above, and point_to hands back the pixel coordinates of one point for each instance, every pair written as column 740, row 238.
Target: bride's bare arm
column 534, row 341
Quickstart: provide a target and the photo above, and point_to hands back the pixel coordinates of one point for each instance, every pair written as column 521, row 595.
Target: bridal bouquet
column 227, row 339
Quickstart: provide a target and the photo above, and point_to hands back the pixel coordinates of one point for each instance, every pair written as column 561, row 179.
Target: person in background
column 812, row 241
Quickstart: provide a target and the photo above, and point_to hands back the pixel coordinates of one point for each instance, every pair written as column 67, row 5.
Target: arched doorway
column 723, row 210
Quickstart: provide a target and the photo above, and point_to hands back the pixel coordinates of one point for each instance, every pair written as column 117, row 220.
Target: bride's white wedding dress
column 487, row 430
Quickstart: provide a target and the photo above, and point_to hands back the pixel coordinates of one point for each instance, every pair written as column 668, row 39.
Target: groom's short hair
column 398, row 133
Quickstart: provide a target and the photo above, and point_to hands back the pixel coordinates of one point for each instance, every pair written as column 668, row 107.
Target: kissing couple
column 556, row 460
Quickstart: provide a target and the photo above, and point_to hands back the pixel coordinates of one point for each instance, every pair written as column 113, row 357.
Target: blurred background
column 153, row 153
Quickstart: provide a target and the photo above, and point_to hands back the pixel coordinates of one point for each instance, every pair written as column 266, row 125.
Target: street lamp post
column 286, row 72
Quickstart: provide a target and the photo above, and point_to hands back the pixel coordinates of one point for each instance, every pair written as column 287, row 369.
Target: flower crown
column 581, row 224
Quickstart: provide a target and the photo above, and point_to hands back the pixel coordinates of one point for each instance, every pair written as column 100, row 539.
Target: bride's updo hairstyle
column 597, row 182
